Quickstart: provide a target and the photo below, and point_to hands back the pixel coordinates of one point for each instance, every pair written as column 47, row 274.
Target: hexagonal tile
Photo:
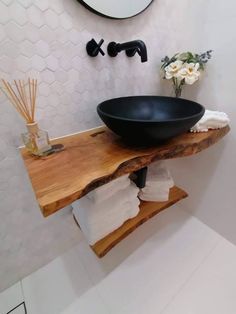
column 4, row 13
column 69, row 87
column 41, row 99
column 73, row 75
column 47, row 33
column 42, row 48
column 80, row 87
column 38, row 63
column 17, row 13
column 35, row 16
column 65, row 21
column 53, row 100
column 18, row 75
column 25, row 3
column 76, row 62
column 56, row 49
column 44, row 89
column 10, row 49
column 48, row 76
column 31, row 32
column 2, row 34
column 74, row 36
column 27, row 48
column 42, row 4
column 52, row 63
column 7, row 64
column 61, row 76
column 51, row 19
column 81, row 49
column 69, row 50
column 57, row 6
column 61, row 34
column 56, row 88
column 14, row 32
column 65, row 63
column 7, row 2
column 23, row 63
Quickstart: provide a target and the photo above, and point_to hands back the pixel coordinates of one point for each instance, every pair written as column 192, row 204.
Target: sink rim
column 99, row 110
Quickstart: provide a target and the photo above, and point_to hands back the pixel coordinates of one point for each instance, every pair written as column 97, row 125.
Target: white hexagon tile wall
column 46, row 39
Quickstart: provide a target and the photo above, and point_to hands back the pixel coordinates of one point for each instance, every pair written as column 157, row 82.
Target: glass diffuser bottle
column 36, row 140
column 23, row 97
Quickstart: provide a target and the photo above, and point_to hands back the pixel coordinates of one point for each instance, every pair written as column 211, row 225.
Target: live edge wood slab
column 147, row 211
column 95, row 157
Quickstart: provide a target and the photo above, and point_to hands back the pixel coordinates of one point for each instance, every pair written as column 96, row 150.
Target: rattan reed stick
column 22, row 98
column 21, row 101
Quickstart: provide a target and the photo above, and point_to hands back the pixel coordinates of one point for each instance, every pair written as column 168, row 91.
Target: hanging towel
column 95, row 232
column 97, row 219
column 211, row 120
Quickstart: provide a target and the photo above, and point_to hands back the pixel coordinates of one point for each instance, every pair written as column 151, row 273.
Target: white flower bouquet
column 184, row 68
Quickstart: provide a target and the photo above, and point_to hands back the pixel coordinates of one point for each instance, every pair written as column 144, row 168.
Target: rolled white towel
column 211, row 120
column 107, row 190
column 155, row 197
column 158, row 183
column 158, row 172
column 156, row 193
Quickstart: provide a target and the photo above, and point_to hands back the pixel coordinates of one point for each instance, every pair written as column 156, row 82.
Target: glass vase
column 36, row 141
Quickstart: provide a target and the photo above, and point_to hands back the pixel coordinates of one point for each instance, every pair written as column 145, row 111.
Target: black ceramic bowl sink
column 149, row 119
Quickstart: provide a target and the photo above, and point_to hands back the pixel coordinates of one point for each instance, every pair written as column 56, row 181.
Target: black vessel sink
column 149, row 119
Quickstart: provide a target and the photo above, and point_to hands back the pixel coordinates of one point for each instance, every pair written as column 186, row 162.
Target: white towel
column 211, row 120
column 155, row 196
column 107, row 190
column 158, row 173
column 158, row 183
column 99, row 231
column 97, row 219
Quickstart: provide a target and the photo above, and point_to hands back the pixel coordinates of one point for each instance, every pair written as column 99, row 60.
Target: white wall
column 47, row 39
column 210, row 176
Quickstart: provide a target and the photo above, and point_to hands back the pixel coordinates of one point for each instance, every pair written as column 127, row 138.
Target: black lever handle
column 93, row 48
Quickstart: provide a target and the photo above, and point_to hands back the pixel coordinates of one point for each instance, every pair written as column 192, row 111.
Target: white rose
column 172, row 69
column 189, row 73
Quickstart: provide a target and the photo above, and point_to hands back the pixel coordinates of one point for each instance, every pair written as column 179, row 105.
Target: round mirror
column 116, row 9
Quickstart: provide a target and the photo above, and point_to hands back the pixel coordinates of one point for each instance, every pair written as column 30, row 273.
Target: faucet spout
column 131, row 47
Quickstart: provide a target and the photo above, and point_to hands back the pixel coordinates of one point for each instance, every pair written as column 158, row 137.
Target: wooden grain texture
column 147, row 211
column 95, row 157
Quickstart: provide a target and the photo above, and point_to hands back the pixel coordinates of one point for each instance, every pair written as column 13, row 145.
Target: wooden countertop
column 93, row 158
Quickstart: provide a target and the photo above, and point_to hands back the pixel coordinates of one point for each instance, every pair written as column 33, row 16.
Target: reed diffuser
column 22, row 95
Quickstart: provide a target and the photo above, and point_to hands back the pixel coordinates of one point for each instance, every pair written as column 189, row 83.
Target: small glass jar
column 36, row 141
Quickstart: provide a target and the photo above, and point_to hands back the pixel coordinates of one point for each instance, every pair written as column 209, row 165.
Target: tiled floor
column 11, row 298
column 173, row 264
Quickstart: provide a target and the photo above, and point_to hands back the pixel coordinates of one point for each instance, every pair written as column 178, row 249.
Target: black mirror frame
column 110, row 17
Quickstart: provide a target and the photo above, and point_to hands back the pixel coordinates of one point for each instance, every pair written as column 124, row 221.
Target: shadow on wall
column 196, row 174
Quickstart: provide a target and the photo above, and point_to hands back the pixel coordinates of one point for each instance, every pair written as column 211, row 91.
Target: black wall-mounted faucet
column 93, row 48
column 131, row 47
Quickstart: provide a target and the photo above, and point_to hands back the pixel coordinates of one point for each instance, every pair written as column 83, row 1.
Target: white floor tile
column 212, row 288
column 19, row 310
column 89, row 303
column 145, row 271
column 10, row 298
column 58, row 286
column 140, row 275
